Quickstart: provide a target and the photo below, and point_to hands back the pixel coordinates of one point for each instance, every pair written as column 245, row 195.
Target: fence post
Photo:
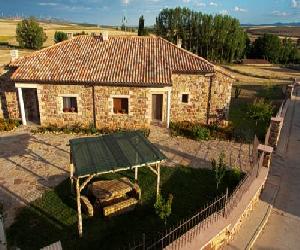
column 226, row 197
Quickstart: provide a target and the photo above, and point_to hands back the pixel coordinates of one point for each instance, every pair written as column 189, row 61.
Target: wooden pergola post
column 71, row 173
column 136, row 174
column 78, row 208
column 158, row 179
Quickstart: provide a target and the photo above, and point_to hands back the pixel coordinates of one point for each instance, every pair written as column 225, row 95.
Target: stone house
column 125, row 82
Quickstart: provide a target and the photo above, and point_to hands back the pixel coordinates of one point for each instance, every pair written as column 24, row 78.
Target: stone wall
column 9, row 107
column 197, row 86
column 51, row 106
column 220, row 93
column 139, row 107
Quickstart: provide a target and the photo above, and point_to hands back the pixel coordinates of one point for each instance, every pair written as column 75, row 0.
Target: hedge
column 198, row 131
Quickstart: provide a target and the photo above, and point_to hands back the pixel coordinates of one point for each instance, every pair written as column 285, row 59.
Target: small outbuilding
column 94, row 156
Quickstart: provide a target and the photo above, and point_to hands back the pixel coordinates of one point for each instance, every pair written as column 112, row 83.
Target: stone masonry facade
column 8, row 98
column 197, row 86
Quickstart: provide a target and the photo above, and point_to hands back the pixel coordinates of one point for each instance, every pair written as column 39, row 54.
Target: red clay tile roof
column 120, row 60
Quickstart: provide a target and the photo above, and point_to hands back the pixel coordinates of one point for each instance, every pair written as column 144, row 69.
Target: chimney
column 179, row 43
column 14, row 54
column 105, row 36
column 70, row 35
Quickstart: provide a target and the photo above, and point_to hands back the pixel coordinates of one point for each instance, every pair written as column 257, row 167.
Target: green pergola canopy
column 93, row 155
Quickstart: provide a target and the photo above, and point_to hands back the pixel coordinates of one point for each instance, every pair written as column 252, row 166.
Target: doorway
column 157, row 107
column 31, row 105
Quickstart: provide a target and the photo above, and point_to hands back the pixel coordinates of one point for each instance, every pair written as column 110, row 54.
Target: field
column 262, row 74
column 285, row 31
column 8, row 34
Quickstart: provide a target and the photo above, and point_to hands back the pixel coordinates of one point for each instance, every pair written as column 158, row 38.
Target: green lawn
column 54, row 217
column 238, row 108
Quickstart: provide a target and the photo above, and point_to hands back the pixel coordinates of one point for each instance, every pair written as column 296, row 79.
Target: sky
column 110, row 12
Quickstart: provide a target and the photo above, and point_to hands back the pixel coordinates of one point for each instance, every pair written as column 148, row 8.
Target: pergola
column 94, row 156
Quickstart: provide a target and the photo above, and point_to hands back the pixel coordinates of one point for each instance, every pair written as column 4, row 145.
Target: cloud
column 213, row 4
column 125, row 2
column 47, row 4
column 239, row 9
column 224, row 12
column 186, row 1
column 280, row 13
column 295, row 3
column 200, row 4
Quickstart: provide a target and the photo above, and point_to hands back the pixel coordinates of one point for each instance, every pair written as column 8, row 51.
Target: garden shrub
column 234, row 176
column 198, row 131
column 219, row 168
column 163, row 208
column 78, row 128
column 9, row 124
column 260, row 113
column 201, row 133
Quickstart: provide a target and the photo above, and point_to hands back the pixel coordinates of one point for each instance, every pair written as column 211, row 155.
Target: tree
column 218, row 38
column 260, row 111
column 29, row 34
column 124, row 23
column 142, row 30
column 60, row 36
column 219, row 168
column 163, row 208
column 267, row 47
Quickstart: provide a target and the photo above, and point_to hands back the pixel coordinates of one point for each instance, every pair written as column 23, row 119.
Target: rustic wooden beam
column 78, row 208
column 86, row 181
column 153, row 170
column 158, row 179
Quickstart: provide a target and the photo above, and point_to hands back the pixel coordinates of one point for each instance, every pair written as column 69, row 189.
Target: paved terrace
column 32, row 163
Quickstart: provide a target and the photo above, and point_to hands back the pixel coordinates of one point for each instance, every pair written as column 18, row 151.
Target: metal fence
column 180, row 235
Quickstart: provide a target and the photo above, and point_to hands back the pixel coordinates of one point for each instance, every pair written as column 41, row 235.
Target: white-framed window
column 185, row 98
column 120, row 105
column 70, row 104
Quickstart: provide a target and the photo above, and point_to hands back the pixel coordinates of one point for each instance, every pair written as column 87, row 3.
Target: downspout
column 209, row 99
column 168, row 108
column 94, row 106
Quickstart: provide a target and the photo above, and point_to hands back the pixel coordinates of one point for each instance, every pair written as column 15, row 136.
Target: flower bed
column 9, row 124
column 79, row 129
column 198, row 131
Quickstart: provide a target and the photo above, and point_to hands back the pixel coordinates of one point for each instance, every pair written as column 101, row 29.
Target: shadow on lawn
column 54, row 217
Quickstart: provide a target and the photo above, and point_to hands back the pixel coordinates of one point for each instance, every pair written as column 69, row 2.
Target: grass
column 262, row 74
column 238, row 107
column 53, row 217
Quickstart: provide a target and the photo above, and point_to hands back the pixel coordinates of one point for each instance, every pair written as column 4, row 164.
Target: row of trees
column 218, row 38
column 273, row 49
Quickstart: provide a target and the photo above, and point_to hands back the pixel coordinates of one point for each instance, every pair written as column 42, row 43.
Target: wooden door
column 157, row 105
